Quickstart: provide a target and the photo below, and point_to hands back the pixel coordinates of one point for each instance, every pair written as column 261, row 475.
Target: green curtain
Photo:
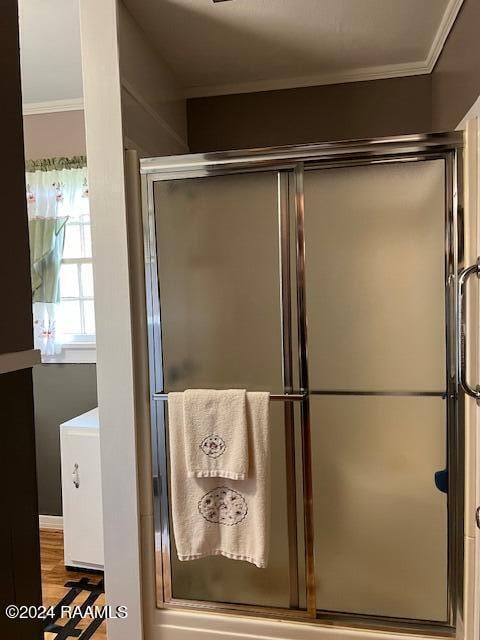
column 56, row 188
column 47, row 237
column 55, row 164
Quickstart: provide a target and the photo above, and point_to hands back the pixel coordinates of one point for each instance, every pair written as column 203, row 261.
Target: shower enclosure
column 326, row 274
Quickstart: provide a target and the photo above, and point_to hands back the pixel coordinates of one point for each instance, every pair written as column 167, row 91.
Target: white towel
column 213, row 516
column 216, row 442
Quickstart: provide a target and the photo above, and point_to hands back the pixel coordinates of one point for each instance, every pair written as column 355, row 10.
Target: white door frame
column 113, row 313
column 471, row 631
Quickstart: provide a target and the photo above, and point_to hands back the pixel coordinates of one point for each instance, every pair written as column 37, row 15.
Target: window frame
column 81, row 347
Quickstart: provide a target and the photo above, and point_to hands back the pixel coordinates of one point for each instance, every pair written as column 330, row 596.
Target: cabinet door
column 82, row 498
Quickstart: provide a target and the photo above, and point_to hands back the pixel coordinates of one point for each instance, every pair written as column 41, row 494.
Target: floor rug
column 82, row 596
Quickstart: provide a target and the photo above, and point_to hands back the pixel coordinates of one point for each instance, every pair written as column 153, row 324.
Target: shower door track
column 290, row 164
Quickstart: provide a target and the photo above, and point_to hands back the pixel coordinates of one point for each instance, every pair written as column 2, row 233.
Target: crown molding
column 356, row 75
column 443, row 31
column 420, row 67
column 52, row 106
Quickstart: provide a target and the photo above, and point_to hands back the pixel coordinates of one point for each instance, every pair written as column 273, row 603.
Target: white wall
column 104, row 133
column 131, row 101
column 155, row 124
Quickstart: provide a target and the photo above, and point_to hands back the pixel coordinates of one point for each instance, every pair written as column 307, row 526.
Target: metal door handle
column 461, row 337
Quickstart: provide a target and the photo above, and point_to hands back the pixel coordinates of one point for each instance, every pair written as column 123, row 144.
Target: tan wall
column 456, row 77
column 311, row 114
column 153, row 106
column 49, row 135
column 412, row 104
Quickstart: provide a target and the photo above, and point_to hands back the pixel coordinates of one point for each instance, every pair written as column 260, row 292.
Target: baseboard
column 51, row 522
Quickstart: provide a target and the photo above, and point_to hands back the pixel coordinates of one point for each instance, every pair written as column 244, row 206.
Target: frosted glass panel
column 380, row 522
column 223, row 580
column 375, row 304
column 218, row 265
column 375, row 277
column 217, row 243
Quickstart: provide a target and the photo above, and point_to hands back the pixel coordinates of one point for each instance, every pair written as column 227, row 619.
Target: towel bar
column 288, row 397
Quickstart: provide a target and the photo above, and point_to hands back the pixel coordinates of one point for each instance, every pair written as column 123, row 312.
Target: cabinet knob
column 75, row 476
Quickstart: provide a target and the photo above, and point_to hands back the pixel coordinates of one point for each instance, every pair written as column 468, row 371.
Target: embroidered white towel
column 216, row 442
column 213, row 516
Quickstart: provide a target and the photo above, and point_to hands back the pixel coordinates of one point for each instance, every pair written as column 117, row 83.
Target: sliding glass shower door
column 325, row 275
column 220, row 287
column 375, row 288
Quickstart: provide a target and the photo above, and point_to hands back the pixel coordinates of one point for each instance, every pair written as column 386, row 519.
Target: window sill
column 74, row 353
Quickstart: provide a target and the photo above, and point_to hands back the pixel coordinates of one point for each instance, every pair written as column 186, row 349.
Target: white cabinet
column 82, row 491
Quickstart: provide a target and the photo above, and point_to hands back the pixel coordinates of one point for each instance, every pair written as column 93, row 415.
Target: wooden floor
column 54, row 577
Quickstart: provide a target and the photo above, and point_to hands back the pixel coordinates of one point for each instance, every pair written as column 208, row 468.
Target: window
column 61, row 259
column 75, row 315
column 75, row 319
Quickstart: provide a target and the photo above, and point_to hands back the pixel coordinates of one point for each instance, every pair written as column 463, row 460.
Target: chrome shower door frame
column 290, row 163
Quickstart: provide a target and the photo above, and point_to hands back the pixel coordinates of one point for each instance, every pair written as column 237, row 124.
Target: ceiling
column 245, row 45
column 252, row 45
column 50, row 50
